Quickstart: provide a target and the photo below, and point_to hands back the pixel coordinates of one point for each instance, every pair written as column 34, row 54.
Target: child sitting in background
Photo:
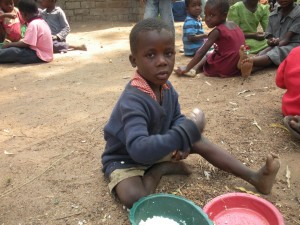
column 147, row 132
column 283, row 34
column 37, row 43
column 248, row 15
column 193, row 33
column 226, row 36
column 10, row 21
column 59, row 26
column 288, row 77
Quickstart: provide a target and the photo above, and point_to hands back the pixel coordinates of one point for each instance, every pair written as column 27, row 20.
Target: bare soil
column 51, row 139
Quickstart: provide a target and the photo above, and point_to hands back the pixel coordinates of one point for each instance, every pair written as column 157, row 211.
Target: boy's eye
column 170, row 53
column 150, row 55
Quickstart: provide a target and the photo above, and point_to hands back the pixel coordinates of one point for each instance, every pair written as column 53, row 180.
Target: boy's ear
column 132, row 60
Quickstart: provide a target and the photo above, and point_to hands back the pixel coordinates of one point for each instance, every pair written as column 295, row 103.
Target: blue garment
column 19, row 55
column 179, row 11
column 163, row 8
column 140, row 131
column 192, row 27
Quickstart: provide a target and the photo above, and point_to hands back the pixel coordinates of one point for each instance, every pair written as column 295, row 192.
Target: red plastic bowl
column 242, row 209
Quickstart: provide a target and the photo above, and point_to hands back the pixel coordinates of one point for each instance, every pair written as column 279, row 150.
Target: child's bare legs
column 132, row 189
column 78, row 47
column 199, row 66
column 252, row 64
column 262, row 179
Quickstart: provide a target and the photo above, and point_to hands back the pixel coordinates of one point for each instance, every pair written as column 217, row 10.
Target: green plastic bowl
column 179, row 209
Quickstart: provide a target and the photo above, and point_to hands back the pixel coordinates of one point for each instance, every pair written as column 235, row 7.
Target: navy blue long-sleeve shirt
column 140, row 131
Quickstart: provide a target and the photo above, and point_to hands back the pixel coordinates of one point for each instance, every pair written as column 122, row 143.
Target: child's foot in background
column 246, row 67
column 243, row 55
column 293, row 125
column 265, row 177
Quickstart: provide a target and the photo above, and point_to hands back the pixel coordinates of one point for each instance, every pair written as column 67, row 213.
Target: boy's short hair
column 222, row 5
column 143, row 26
column 188, row 2
column 28, row 6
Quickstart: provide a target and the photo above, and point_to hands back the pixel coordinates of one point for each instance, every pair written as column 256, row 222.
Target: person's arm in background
column 62, row 35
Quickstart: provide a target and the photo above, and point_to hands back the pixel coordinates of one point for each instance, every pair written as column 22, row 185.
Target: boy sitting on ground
column 193, row 33
column 147, row 134
column 59, row 26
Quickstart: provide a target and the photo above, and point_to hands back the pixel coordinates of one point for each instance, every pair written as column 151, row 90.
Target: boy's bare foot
column 265, row 177
column 243, row 55
column 246, row 67
column 82, row 47
column 78, row 47
column 172, row 168
column 293, row 125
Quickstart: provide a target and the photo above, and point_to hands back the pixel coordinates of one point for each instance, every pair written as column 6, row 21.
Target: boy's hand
column 179, row 155
column 54, row 37
column 260, row 36
column 181, row 70
column 197, row 116
column 273, row 41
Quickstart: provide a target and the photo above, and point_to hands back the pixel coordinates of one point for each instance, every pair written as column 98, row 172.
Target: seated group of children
column 235, row 41
column 235, row 36
column 31, row 35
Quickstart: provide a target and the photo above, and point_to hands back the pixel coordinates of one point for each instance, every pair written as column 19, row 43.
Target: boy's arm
column 212, row 37
column 8, row 15
column 19, row 44
column 286, row 39
column 62, row 35
column 197, row 37
column 147, row 148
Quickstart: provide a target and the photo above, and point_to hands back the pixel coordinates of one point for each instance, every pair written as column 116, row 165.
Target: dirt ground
column 51, row 138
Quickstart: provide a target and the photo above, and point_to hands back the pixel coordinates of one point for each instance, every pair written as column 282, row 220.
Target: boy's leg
column 151, row 9
column 78, row 47
column 262, row 179
column 19, row 55
column 10, row 55
column 132, row 189
column 166, row 14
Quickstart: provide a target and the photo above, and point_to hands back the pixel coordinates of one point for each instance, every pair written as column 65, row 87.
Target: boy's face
column 155, row 56
column 7, row 5
column 194, row 8
column 45, row 3
column 285, row 3
column 213, row 16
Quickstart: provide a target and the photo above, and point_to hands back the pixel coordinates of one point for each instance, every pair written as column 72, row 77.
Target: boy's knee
column 129, row 197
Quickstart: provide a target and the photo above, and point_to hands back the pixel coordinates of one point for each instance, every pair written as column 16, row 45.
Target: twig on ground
column 64, row 217
column 31, row 180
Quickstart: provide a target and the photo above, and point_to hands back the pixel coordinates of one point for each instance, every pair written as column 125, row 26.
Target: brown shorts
column 121, row 174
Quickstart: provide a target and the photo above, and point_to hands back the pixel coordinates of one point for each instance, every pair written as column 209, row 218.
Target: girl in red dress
column 226, row 37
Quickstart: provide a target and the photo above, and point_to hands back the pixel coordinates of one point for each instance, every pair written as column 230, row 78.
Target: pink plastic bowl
column 242, row 209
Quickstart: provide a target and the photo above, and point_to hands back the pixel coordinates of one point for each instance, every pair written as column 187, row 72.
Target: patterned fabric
column 140, row 83
column 249, row 22
column 12, row 27
column 191, row 27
